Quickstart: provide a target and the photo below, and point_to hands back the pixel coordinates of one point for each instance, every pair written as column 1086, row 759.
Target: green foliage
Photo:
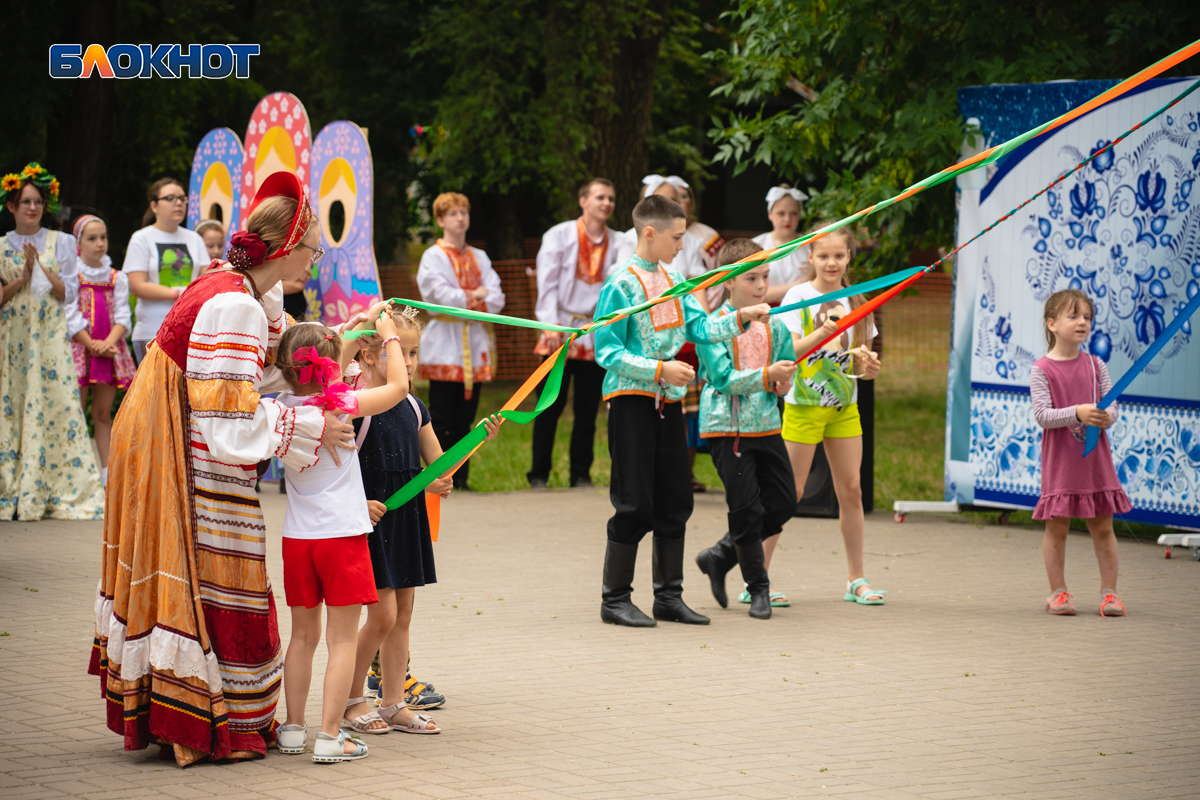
column 886, row 76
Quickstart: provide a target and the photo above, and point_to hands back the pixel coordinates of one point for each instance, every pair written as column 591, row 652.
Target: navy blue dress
column 390, row 456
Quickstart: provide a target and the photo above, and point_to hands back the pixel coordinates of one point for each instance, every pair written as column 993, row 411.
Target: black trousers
column 651, row 489
column 452, row 415
column 759, row 488
column 589, row 381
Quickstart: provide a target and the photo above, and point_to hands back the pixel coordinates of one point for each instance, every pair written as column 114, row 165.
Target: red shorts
column 336, row 572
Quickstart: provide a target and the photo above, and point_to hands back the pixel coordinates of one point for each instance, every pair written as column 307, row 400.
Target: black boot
column 715, row 562
column 754, row 573
column 668, row 584
column 616, row 608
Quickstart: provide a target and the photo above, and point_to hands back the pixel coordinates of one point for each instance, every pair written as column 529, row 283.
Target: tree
column 884, row 78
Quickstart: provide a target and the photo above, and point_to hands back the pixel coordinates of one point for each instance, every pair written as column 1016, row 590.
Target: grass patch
column 910, row 435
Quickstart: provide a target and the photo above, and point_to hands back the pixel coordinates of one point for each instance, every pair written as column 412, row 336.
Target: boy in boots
column 650, row 489
column 739, row 417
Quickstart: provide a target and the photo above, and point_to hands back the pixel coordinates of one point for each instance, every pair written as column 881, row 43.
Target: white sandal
column 332, row 749
column 362, row 723
column 418, row 724
column 291, row 739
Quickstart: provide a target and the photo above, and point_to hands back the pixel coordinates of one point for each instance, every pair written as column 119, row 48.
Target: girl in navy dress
column 392, row 447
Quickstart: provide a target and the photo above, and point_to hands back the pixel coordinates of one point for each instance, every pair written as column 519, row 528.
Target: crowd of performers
column 187, row 647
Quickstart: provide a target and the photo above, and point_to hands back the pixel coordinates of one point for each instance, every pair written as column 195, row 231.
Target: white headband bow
column 677, row 182
column 777, row 193
column 652, row 182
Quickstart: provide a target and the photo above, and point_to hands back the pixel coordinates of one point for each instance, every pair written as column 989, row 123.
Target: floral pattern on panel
column 993, row 331
column 1125, row 230
column 1156, row 451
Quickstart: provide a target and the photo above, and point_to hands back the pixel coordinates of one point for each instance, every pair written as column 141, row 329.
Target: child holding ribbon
column 325, row 555
column 650, row 489
column 1064, row 386
column 99, row 322
column 392, row 445
column 822, row 406
column 739, row 418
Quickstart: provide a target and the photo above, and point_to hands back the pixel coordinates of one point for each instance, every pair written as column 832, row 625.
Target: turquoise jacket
column 736, row 372
column 633, row 349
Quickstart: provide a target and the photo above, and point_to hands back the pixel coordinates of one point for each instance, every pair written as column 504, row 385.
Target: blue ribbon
column 1093, row 433
column 860, row 288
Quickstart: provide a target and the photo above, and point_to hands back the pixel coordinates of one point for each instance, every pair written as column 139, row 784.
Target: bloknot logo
column 213, row 61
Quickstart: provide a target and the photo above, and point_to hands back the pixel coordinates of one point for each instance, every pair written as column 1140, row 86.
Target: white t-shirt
column 826, row 378
column 169, row 259
column 788, row 269
column 325, row 501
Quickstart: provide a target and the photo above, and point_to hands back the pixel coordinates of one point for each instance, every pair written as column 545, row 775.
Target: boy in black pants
column 650, row 487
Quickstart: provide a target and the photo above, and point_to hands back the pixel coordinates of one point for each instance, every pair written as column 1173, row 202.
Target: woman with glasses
column 161, row 260
column 47, row 468
column 184, row 556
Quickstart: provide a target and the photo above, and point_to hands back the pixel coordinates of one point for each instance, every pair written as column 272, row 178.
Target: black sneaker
column 582, row 482
column 537, row 483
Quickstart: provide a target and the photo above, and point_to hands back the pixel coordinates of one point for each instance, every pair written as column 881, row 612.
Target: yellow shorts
column 811, row 424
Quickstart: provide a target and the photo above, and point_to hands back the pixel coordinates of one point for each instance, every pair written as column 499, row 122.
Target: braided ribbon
column 552, row 368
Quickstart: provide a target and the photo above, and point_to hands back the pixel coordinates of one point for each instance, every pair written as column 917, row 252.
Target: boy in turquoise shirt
column 739, row 416
column 650, row 487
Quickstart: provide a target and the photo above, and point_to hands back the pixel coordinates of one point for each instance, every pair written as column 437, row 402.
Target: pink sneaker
column 1061, row 603
column 1111, row 605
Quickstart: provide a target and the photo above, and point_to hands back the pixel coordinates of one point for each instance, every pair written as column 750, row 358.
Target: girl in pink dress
column 98, row 326
column 1065, row 385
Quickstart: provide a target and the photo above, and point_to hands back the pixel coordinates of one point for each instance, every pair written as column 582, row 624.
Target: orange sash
column 589, row 267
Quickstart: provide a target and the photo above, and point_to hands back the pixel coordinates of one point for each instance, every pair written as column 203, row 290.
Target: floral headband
column 34, row 173
column 777, row 193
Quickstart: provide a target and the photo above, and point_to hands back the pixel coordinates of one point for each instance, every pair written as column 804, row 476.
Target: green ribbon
column 459, row 450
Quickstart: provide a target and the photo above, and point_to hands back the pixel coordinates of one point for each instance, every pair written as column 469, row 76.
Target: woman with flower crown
column 187, row 642
column 47, row 468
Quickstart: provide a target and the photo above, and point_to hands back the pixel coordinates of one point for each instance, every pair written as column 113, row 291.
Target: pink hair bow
column 320, row 369
column 335, row 397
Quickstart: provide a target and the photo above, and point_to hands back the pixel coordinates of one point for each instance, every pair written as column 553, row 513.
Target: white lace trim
column 163, row 650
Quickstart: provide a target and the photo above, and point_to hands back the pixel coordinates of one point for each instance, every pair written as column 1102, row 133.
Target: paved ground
column 961, row 686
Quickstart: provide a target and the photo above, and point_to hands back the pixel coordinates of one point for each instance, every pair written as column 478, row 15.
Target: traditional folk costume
column 650, row 489
column 187, row 643
column 47, row 468
column 739, row 417
column 455, row 353
column 571, row 268
column 103, row 304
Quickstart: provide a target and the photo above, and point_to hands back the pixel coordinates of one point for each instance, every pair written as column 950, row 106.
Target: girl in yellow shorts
column 822, row 404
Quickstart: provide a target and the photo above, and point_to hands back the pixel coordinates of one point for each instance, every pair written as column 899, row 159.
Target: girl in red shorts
column 325, row 556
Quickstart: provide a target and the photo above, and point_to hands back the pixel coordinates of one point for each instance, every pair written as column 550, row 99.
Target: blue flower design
column 1189, row 444
column 1003, row 329
column 1083, row 199
column 1101, row 345
column 1149, row 322
column 1151, row 195
column 1142, row 235
column 1104, row 161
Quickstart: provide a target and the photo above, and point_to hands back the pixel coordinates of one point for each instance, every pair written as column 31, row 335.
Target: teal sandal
column 778, row 599
column 852, row 595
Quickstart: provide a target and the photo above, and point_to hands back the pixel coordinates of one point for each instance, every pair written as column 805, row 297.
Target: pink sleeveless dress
column 1074, row 486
